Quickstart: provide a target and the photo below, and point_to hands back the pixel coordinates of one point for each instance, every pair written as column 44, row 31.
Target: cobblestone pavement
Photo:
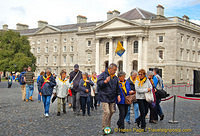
column 18, row 118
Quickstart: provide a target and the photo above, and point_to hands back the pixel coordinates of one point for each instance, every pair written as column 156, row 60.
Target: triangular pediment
column 117, row 23
column 160, row 48
column 47, row 29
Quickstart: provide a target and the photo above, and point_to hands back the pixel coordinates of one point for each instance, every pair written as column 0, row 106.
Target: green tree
column 15, row 52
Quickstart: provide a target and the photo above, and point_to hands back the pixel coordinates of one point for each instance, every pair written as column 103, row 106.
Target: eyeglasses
column 140, row 74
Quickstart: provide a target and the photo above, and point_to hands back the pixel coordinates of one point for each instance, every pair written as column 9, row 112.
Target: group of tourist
column 87, row 91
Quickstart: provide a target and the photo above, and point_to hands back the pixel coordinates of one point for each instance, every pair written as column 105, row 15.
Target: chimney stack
column 20, row 26
column 186, row 18
column 115, row 13
column 109, row 15
column 5, row 27
column 81, row 19
column 160, row 10
column 42, row 23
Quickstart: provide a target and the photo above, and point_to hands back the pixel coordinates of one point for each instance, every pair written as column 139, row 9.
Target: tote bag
column 149, row 97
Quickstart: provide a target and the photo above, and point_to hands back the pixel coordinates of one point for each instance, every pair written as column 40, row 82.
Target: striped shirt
column 29, row 77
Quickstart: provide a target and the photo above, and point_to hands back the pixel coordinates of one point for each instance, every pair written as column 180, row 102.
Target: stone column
column 140, row 52
column 110, row 50
column 125, row 54
column 97, row 57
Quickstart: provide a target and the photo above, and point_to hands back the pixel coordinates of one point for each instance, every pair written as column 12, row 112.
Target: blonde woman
column 61, row 90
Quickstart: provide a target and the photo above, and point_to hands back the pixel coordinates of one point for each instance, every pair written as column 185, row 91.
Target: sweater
column 141, row 90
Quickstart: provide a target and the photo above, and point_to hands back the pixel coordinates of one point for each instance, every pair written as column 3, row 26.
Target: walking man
column 108, row 85
column 23, row 84
column 75, row 77
column 29, row 79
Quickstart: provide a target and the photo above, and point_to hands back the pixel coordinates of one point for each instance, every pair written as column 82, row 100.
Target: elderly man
column 29, row 78
column 131, row 80
column 75, row 77
column 108, row 85
column 46, row 85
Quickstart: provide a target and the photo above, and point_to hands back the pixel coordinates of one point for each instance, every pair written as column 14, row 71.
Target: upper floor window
column 46, row 49
column 38, row 49
column 89, row 57
column 193, row 56
column 107, row 48
column 55, row 48
column 181, row 54
column 89, row 43
column 46, row 61
column 47, row 41
column 64, row 40
column 38, row 42
column 55, row 40
column 71, row 48
column 182, row 38
column 33, row 50
column 71, row 59
column 160, row 39
column 135, row 47
column 54, row 60
column 64, row 49
column 64, row 59
column 194, row 39
column 188, row 55
column 38, row 60
column 161, row 54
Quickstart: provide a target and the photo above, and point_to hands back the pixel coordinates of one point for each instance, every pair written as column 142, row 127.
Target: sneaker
column 46, row 115
column 58, row 114
column 31, row 98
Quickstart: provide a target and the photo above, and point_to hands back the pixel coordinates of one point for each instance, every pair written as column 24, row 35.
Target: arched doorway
column 135, row 65
column 120, row 66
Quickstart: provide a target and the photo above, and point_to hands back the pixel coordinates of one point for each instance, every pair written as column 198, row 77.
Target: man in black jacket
column 108, row 85
column 75, row 77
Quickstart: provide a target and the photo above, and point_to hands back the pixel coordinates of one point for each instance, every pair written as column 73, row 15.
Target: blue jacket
column 83, row 88
column 128, row 88
column 108, row 92
column 48, row 87
column 20, row 78
column 38, row 78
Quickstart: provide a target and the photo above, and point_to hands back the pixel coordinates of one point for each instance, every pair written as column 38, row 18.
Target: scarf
column 45, row 80
column 85, row 84
column 94, row 79
column 64, row 81
column 110, row 74
column 123, row 86
column 142, row 82
column 134, row 80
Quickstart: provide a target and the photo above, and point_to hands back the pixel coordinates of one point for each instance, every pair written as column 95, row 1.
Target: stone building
column 171, row 44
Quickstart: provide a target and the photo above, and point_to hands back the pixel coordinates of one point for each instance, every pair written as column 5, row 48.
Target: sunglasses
column 140, row 74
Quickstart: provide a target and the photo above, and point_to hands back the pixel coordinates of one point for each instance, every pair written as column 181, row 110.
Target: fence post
column 173, row 116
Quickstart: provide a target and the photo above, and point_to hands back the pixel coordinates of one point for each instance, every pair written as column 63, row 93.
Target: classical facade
column 171, row 44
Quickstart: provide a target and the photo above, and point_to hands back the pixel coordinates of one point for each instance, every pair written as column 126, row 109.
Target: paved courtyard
column 18, row 118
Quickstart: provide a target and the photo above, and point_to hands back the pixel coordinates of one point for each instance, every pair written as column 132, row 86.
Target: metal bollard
column 174, row 108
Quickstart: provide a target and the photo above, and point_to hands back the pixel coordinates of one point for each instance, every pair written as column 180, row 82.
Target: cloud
column 196, row 21
column 60, row 12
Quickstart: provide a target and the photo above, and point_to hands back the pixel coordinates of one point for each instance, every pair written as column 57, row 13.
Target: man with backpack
column 21, row 80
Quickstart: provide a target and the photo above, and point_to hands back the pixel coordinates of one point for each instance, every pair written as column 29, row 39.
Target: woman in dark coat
column 46, row 85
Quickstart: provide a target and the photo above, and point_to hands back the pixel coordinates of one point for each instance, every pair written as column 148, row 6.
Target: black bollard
column 174, row 108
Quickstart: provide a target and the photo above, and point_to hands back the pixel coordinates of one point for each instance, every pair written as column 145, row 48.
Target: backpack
column 22, row 79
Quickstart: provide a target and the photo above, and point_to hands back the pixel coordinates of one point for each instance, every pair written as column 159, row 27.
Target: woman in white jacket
column 142, row 86
column 61, row 90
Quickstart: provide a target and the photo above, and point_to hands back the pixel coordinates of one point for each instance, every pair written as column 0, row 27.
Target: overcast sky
column 61, row 12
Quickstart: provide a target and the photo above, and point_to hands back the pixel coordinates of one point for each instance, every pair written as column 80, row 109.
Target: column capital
column 125, row 37
column 109, row 37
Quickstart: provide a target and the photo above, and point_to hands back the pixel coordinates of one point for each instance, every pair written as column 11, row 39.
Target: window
column 46, row 49
column 181, row 74
column 193, row 41
column 54, row 60
column 160, row 39
column 107, row 48
column 32, row 43
column 38, row 42
column 46, row 61
column 71, row 48
column 188, row 39
column 182, row 38
column 193, row 56
column 64, row 49
column 47, row 41
column 181, row 54
column 33, row 50
column 55, row 40
column 89, row 57
column 135, row 47
column 187, row 73
column 72, row 39
column 38, row 49
column 71, row 59
column 199, row 56
column 64, row 59
column 135, row 65
column 64, row 40
column 89, row 43
column 120, row 65
column 55, row 48
column 160, row 54
column 188, row 55
column 38, row 60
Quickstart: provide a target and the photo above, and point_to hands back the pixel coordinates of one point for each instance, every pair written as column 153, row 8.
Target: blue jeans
column 29, row 88
column 136, row 112
column 46, row 100
column 159, row 110
column 85, row 101
column 39, row 97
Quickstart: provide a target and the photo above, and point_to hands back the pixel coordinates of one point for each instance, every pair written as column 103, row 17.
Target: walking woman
column 125, row 90
column 38, row 79
column 142, row 86
column 10, row 81
column 61, row 90
column 46, row 85
column 85, row 93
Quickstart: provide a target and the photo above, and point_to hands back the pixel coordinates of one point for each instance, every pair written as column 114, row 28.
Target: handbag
column 130, row 98
column 149, row 97
column 162, row 93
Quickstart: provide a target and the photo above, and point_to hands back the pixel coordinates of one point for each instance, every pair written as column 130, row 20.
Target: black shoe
column 161, row 117
column 153, row 121
column 89, row 114
column 58, row 114
column 64, row 112
column 138, row 123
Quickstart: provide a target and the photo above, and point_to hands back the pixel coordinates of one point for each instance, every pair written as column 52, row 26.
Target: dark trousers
column 9, row 85
column 76, row 101
column 123, row 109
column 153, row 112
column 94, row 100
column 85, row 101
column 143, row 107
column 159, row 109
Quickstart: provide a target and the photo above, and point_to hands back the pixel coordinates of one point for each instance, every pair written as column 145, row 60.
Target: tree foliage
column 15, row 52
